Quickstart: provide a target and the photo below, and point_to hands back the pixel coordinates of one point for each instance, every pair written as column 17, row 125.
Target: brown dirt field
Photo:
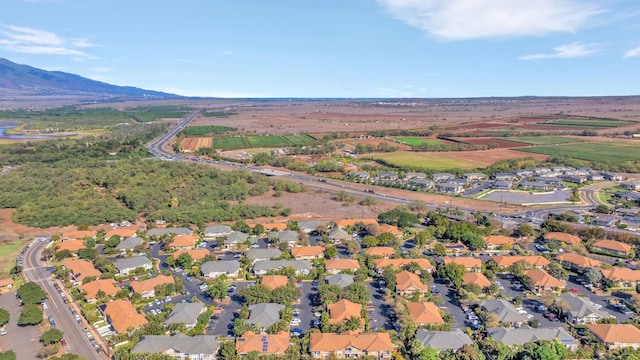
column 500, row 144
column 192, row 144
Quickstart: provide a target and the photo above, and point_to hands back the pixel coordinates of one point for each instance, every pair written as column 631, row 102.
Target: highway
column 34, row 270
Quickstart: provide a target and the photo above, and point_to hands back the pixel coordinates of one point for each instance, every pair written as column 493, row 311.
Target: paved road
column 24, row 340
column 35, row 271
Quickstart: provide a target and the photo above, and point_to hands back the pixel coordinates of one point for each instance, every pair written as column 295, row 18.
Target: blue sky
column 334, row 48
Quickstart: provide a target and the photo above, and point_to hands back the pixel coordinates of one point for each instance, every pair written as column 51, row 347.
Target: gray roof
column 201, row 344
column 264, row 254
column 309, row 226
column 507, row 313
column 443, row 340
column 580, row 306
column 342, row 280
column 132, row 262
column 129, row 243
column 288, row 236
column 266, row 265
column 168, row 231
column 265, row 314
column 338, row 233
column 525, row 334
column 220, row 266
column 217, row 229
column 186, row 313
column 236, row 237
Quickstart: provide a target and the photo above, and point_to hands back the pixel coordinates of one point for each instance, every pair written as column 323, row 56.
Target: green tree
column 526, row 229
column 330, row 252
column 422, row 238
column 439, row 249
column 31, row 315
column 218, row 289
column 31, row 293
column 592, row 275
column 369, row 241
column 473, row 241
column 51, row 336
column 112, row 242
column 4, row 317
column 8, row 355
column 454, row 272
column 184, row 260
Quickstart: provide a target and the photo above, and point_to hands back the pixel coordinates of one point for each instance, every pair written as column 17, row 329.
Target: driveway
column 451, row 305
column 379, row 317
column 229, row 313
column 24, row 340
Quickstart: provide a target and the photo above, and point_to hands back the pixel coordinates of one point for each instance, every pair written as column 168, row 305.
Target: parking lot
column 379, row 316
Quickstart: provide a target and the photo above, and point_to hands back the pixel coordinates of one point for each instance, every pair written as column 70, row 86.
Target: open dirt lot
column 192, row 144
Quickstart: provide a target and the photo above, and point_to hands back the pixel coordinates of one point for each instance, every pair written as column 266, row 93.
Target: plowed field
column 195, row 143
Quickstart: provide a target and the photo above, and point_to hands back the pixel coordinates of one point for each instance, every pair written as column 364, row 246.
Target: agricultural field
column 192, row 144
column 588, row 123
column 544, row 140
column 602, row 151
column 206, row 130
column 9, row 250
column 225, row 143
column 419, row 141
column 239, row 142
column 426, row 160
column 497, row 143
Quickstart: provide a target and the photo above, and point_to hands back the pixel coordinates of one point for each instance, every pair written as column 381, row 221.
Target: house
column 301, row 267
column 502, row 184
column 380, row 264
column 391, row 229
column 263, row 315
column 523, row 172
column 628, row 195
column 184, row 242
column 574, row 179
column 342, row 280
column 621, row 276
column 380, row 251
column 505, row 311
column 612, row 177
column 6, row 283
column 91, row 289
column 214, row 269
column 78, row 235
column 504, row 176
column 476, row 278
column 289, row 237
column 562, row 237
column 440, row 177
column 496, row 242
column 455, row 248
column 81, row 269
column 129, row 264
column 351, row 346
column 408, row 283
column 196, row 254
column 235, row 238
column 449, row 188
column 469, row 263
column 534, row 185
column 185, row 313
column 337, row 235
column 351, row 222
column 310, row 226
column 616, row 336
column 169, row 231
column 424, row 313
column 123, row 316
column 334, row 266
column 71, row 245
column 631, row 185
column 580, row 309
column 595, row 177
column 307, row 252
column 504, row 262
column 122, row 232
column 605, row 221
column 542, row 281
column 179, row 346
column 129, row 243
column 470, row 177
column 415, row 175
column 359, row 175
column 264, row 344
column 147, row 288
column 263, row 254
column 275, row 226
column 527, row 334
column 611, row 247
column 344, row 310
column 576, row 262
column 443, row 340
column 387, row 175
column 422, row 183
column 215, row 231
column 274, row 281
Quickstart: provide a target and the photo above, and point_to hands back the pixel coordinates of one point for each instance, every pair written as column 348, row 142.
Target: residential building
column 337, row 235
column 275, row 227
column 424, row 313
column 527, row 334
column 350, row 345
column 264, row 344
column 612, row 176
column 262, row 254
column 504, row 262
column 542, row 281
column 301, row 267
column 562, row 237
column 335, row 266
column 504, row 176
column 214, row 269
column 449, row 188
column 391, row 229
column 78, row 235
column 344, row 310
column 576, row 262
column 469, row 263
column 307, row 252
column 611, row 247
column 380, row 264
column 502, row 184
column 184, row 242
column 179, row 346
column 350, row 222
column 443, row 340
column 122, row 315
column 476, row 278
column 621, row 276
column 263, row 315
column 196, row 254
column 497, row 242
column 122, row 232
column 81, row 269
column 91, row 289
column 616, row 336
column 440, row 177
column 185, row 313
column 274, row 281
column 631, row 185
column 474, row 177
column 129, row 264
column 147, row 288
column 359, row 175
column 310, row 226
column 71, row 245
column 387, row 175
column 169, row 231
column 580, row 309
column 215, row 231
column 505, row 311
column 415, row 175
column 235, row 238
column 380, row 251
column 342, row 280
column 422, row 183
column 129, row 243
column 408, row 283
column 289, row 237
column 534, row 185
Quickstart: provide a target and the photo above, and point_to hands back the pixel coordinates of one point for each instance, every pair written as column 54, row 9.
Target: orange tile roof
column 466, row 261
column 498, row 240
column 398, row 263
column 78, row 234
column 406, row 280
column 542, row 278
column 563, row 237
column 331, row 342
column 123, row 315
column 613, row 245
column 91, row 288
column 616, row 333
column 6, row 282
column 196, row 254
column 71, row 245
column 386, row 228
column 274, row 281
column 342, row 264
column 620, row 273
column 83, row 267
column 122, row 232
column 276, row 226
column 380, row 251
column 184, row 240
column 346, row 222
column 250, row 341
column 504, row 261
column 578, row 260
column 307, row 251
column 424, row 313
column 343, row 310
column 476, row 278
column 150, row 284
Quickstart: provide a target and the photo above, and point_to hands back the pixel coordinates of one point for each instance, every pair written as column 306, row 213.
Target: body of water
column 8, row 126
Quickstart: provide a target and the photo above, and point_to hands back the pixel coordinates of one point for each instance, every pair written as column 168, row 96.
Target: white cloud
column 26, row 40
column 227, row 52
column 573, row 50
column 632, row 53
column 213, row 93
column 475, row 19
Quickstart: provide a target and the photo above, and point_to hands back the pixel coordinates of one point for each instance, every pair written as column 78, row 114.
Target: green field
column 206, row 130
column 8, row 252
column 228, row 143
column 602, row 151
column 542, row 140
column 436, row 161
column 595, row 123
column 419, row 141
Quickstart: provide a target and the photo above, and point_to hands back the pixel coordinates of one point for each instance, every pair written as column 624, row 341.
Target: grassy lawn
column 596, row 123
column 418, row 141
column 603, row 151
column 267, row 141
column 439, row 160
column 543, row 140
column 9, row 250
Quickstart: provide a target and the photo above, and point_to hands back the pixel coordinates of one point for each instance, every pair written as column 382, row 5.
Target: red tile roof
column 343, row 310
column 83, row 267
column 342, row 264
column 275, row 343
column 123, row 315
column 274, row 281
column 563, row 237
column 616, row 333
column 406, row 280
column 331, row 342
column 150, row 284
column 476, row 278
column 424, row 313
